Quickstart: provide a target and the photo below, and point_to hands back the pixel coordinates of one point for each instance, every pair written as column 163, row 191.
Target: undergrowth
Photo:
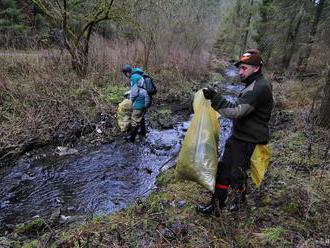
column 43, row 101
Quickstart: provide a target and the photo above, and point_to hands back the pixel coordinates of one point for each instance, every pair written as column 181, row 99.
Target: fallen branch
column 308, row 75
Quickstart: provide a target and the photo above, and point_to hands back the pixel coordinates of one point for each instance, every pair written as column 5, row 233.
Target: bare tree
column 77, row 19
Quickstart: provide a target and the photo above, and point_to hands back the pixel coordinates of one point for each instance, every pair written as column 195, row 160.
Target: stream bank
column 72, row 187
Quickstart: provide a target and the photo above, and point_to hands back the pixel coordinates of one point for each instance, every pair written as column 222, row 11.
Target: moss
column 291, row 207
column 297, row 148
column 164, row 111
column 31, row 244
column 113, row 94
column 36, row 226
column 6, row 102
column 157, row 201
column 241, row 240
column 273, row 234
column 266, row 200
column 166, row 178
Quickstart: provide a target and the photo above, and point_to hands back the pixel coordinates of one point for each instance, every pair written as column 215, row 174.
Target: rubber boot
column 217, row 203
column 238, row 202
column 221, row 195
column 143, row 129
column 132, row 134
column 210, row 208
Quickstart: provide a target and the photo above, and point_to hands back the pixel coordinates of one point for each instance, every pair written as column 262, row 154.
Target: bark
column 265, row 43
column 79, row 61
column 246, row 33
column 148, row 45
column 324, row 114
column 304, row 55
column 291, row 40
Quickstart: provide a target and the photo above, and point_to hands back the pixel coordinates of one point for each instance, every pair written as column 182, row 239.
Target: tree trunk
column 292, row 38
column 265, row 41
column 324, row 115
column 79, row 61
column 306, row 51
column 148, row 45
column 248, row 22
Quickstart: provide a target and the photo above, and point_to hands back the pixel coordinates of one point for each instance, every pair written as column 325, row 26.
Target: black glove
column 209, row 93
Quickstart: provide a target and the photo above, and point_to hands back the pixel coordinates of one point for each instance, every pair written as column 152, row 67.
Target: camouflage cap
column 250, row 57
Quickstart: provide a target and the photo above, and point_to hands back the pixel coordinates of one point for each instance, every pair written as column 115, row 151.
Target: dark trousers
column 232, row 169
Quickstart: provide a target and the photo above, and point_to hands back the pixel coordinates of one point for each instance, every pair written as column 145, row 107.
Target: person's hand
column 209, row 93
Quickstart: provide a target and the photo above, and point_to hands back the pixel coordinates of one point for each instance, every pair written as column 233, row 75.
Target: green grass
column 36, row 226
column 273, row 235
column 113, row 94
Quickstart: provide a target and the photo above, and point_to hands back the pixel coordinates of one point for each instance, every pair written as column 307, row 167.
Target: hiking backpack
column 149, row 85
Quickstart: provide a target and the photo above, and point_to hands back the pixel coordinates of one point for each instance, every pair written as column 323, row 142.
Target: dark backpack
column 149, row 85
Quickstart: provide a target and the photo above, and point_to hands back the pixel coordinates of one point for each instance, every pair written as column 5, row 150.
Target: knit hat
column 250, row 57
column 126, row 68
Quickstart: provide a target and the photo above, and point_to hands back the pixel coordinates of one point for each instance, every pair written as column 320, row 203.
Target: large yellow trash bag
column 198, row 157
column 259, row 162
column 124, row 113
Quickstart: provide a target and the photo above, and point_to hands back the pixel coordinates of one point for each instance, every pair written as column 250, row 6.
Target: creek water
column 98, row 181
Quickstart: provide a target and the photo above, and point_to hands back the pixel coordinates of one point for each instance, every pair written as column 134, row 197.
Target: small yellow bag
column 198, row 157
column 259, row 163
column 124, row 113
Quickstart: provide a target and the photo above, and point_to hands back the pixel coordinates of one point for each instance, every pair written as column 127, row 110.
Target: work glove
column 209, row 93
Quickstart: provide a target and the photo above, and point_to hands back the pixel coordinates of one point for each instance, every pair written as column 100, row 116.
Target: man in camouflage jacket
column 250, row 114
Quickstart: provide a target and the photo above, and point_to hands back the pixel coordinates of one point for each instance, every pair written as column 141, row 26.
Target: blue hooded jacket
column 138, row 95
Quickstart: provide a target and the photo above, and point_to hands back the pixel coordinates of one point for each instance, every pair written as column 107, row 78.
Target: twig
column 308, row 75
column 164, row 238
column 167, row 161
column 327, row 151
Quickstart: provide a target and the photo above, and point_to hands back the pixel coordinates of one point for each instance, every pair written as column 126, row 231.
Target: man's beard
column 249, row 79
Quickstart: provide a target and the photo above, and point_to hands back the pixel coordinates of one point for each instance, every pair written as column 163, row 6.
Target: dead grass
column 294, row 94
column 43, row 101
column 289, row 210
column 40, row 97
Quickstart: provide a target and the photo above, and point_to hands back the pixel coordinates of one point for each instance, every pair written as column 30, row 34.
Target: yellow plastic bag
column 124, row 113
column 259, row 162
column 198, row 157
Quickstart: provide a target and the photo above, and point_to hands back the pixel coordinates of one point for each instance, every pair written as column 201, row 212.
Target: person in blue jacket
column 140, row 99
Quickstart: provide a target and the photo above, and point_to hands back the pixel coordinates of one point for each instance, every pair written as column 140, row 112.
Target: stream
column 92, row 182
